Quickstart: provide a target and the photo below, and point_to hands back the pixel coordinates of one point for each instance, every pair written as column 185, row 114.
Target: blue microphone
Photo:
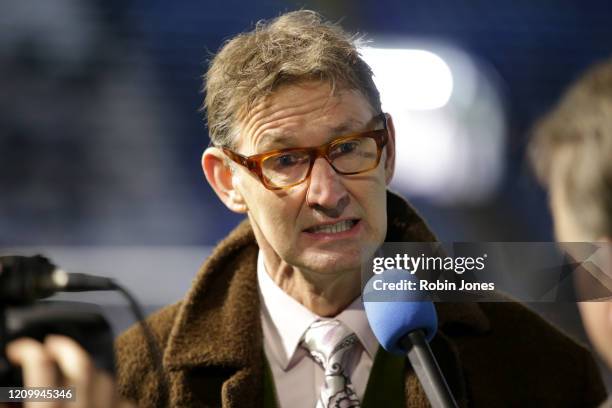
column 405, row 328
column 391, row 321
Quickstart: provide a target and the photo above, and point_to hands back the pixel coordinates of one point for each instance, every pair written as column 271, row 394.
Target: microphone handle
column 427, row 370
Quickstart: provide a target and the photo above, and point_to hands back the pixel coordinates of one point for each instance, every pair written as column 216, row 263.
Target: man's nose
column 326, row 191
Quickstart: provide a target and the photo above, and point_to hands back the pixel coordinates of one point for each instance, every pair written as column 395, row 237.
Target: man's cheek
column 279, row 227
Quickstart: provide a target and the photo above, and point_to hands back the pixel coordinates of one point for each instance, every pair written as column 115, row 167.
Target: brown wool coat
column 492, row 354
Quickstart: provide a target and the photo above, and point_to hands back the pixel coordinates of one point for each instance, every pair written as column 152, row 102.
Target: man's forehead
column 296, row 113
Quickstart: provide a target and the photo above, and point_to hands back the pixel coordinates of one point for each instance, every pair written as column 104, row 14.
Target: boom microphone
column 405, row 328
column 24, row 279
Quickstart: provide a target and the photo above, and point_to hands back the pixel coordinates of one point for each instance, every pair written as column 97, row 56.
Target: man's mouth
column 336, row 228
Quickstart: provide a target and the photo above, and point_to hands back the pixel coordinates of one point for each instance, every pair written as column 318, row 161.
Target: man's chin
column 331, row 261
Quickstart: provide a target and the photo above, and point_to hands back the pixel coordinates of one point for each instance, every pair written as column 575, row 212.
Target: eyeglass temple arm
column 238, row 158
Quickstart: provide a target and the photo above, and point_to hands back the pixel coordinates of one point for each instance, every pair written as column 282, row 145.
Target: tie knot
column 329, row 342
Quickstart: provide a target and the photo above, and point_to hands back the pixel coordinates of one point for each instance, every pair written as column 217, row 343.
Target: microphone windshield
column 392, row 318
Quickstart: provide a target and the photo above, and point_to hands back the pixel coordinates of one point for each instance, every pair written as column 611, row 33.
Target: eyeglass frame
column 253, row 163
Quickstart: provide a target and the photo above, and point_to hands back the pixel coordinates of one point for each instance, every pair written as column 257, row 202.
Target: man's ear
column 390, row 150
column 220, row 177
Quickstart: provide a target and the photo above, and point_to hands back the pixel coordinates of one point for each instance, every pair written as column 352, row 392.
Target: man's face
column 596, row 316
column 287, row 222
column 567, row 227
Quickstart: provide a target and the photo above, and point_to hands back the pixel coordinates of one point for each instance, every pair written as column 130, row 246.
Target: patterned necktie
column 330, row 344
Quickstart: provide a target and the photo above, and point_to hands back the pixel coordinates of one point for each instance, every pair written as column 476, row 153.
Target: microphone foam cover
column 392, row 320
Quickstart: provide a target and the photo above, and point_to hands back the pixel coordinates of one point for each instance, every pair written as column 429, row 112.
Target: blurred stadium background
column 101, row 137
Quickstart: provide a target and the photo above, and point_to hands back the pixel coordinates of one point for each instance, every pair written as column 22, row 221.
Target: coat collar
column 218, row 324
column 404, row 224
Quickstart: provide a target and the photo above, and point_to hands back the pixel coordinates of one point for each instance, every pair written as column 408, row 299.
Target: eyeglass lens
column 348, row 156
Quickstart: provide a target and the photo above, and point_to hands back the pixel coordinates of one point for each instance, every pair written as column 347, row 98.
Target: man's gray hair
column 294, row 47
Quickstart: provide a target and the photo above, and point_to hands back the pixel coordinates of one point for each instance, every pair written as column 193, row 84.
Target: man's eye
column 286, row 160
column 347, row 147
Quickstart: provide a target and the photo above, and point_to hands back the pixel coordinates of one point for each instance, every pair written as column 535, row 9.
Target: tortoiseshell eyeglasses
column 350, row 154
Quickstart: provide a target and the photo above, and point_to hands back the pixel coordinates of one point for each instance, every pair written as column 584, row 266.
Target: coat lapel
column 405, row 225
column 452, row 317
column 214, row 354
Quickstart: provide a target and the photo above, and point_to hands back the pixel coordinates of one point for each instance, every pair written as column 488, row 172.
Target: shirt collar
column 289, row 319
column 354, row 317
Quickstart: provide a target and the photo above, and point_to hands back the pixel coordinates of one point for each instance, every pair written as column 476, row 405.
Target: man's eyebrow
column 342, row 128
column 351, row 126
column 275, row 141
column 283, row 140
column 345, row 128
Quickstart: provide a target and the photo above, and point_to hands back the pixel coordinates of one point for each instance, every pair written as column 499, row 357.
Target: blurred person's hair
column 292, row 48
column 572, row 146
